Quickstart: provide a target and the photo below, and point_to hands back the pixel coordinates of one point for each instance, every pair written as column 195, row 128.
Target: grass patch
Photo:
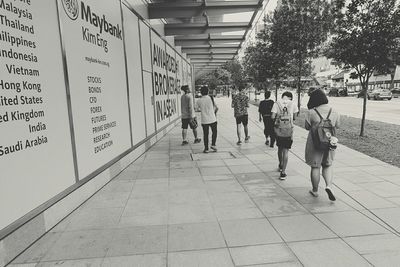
column 381, row 140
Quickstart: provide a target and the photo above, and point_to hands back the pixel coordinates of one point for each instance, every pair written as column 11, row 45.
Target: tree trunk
column 276, row 91
column 299, row 85
column 365, row 88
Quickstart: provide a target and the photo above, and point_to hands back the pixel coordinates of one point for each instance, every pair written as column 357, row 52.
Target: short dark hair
column 317, row 98
column 267, row 94
column 287, row 94
column 204, row 90
column 185, row 88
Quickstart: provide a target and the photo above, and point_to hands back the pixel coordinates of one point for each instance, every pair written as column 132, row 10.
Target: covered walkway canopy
column 210, row 32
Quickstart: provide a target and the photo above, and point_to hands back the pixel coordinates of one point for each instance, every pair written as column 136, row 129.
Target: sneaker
column 206, row 151
column 246, row 140
column 283, row 176
column 330, row 194
column 197, row 140
column 185, row 143
column 239, row 143
column 267, row 142
column 214, row 148
column 314, row 194
column 280, row 167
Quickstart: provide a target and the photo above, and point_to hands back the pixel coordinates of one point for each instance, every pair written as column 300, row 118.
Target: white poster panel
column 93, row 43
column 160, row 81
column 184, row 73
column 179, row 81
column 147, row 77
column 134, row 66
column 35, row 144
column 172, row 85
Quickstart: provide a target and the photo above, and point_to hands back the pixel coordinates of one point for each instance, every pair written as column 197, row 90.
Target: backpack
column 283, row 123
column 322, row 132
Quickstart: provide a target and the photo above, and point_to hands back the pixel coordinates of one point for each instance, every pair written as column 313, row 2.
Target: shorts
column 284, row 142
column 244, row 119
column 186, row 123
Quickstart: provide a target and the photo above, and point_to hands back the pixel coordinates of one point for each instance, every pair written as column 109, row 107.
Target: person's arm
column 307, row 121
column 197, row 106
column 274, row 111
column 191, row 107
column 295, row 111
column 338, row 122
column 233, row 102
column 247, row 101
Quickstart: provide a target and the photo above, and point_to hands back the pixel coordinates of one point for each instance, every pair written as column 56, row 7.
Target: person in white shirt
column 208, row 108
column 284, row 143
column 188, row 115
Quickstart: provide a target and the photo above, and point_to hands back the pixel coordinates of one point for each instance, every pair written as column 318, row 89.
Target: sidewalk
column 176, row 206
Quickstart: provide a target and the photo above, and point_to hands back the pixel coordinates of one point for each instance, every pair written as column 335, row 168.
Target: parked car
column 377, row 94
column 338, row 91
column 396, row 92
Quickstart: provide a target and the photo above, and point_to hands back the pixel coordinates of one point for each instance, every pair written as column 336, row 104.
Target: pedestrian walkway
column 176, row 206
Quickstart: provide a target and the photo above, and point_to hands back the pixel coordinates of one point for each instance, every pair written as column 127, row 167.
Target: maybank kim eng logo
column 71, row 8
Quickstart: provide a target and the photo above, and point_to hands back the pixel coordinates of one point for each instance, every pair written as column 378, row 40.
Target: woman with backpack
column 283, row 113
column 322, row 122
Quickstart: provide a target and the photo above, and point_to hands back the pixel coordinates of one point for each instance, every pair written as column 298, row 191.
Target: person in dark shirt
column 265, row 114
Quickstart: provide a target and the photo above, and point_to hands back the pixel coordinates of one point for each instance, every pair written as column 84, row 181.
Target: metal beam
column 193, row 53
column 210, row 56
column 182, row 9
column 194, row 61
column 213, row 50
column 204, row 28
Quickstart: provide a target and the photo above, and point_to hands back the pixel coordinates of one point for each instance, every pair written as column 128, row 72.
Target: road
column 384, row 111
column 377, row 110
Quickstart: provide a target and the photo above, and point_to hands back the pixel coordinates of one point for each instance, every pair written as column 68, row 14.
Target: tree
column 213, row 79
column 262, row 64
column 366, row 40
column 235, row 70
column 299, row 28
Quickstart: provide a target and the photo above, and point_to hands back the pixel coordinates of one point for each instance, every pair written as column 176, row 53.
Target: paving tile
column 39, row 249
column 370, row 200
column 244, row 169
column 390, row 216
column 384, row 259
column 151, row 260
column 279, row 206
column 249, row 232
column 371, row 244
column 210, row 163
column 327, row 206
column 253, row 178
column 223, row 186
column 200, row 258
column 138, row 240
column 350, row 223
column 110, row 200
column 346, row 185
column 228, row 199
column 237, row 212
column 195, row 236
column 73, row 263
column 301, row 228
column 191, row 172
column 251, row 255
column 180, row 214
column 383, row 189
column 188, row 197
column 270, row 190
column 151, row 174
column 237, row 162
column 80, row 245
column 207, row 171
column 279, row 264
column 218, row 177
column 330, row 252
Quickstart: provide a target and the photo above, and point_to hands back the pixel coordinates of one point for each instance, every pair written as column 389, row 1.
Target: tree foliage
column 299, row 28
column 366, row 40
column 213, row 79
column 235, row 69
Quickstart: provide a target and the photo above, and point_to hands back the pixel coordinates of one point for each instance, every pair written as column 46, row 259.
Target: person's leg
column 265, row 120
column 195, row 133
column 315, row 178
column 245, row 121
column 285, row 158
column 280, row 156
column 327, row 174
column 246, row 131
column 184, row 134
column 239, row 130
column 205, row 136
column 214, row 133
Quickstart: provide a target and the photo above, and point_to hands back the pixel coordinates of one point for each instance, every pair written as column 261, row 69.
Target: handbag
column 193, row 123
